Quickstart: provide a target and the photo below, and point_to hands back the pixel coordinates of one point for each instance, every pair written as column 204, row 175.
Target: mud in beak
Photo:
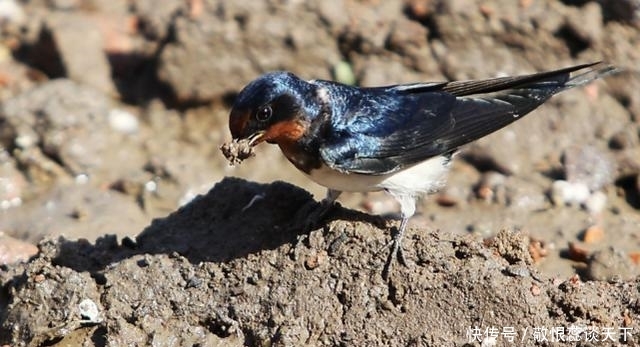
column 240, row 149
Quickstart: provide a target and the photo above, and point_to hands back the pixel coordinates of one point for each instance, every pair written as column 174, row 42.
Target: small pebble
column 81, row 179
column 446, row 200
column 577, row 253
column 537, row 250
column 419, row 9
column 518, row 270
column 492, row 187
column 314, row 260
column 535, row 290
column 593, row 234
column 567, row 193
column 25, row 141
column 151, row 186
column 485, row 193
column 575, row 280
column 627, row 320
column 89, row 310
column 123, row 121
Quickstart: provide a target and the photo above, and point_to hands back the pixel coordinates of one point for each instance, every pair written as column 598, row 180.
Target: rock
column 611, row 265
column 538, row 250
column 205, row 60
column 186, row 270
column 586, row 22
column 61, row 129
column 78, row 43
column 156, row 21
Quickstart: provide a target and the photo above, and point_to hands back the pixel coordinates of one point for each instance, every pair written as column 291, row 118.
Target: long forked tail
column 558, row 78
column 596, row 71
column 485, row 106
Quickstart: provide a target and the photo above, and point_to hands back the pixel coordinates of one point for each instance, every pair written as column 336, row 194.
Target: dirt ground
column 121, row 223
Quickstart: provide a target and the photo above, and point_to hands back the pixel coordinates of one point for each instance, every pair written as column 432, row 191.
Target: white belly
column 425, row 177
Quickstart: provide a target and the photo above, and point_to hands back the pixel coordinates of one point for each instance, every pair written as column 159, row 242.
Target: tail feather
column 487, row 106
column 593, row 74
column 561, row 77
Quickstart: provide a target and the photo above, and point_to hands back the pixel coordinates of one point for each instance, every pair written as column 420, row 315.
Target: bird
column 399, row 138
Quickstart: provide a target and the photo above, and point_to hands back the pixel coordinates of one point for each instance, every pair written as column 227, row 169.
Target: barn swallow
column 397, row 138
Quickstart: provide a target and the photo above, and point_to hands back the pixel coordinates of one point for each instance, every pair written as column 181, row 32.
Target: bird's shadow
column 234, row 219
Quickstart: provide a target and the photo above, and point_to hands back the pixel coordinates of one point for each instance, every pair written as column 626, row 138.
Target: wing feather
column 392, row 127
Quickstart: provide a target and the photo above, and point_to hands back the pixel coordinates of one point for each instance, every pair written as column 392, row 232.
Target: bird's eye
column 264, row 113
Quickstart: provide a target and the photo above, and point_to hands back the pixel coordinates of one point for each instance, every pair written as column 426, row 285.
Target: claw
column 396, row 250
column 314, row 217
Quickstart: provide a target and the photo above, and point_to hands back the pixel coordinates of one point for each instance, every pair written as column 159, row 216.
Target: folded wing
column 397, row 126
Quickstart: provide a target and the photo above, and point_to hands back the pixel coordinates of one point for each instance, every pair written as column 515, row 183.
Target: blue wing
column 384, row 129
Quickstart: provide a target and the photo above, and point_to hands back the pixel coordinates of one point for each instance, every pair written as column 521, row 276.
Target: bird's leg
column 321, row 211
column 313, row 214
column 396, row 249
column 407, row 209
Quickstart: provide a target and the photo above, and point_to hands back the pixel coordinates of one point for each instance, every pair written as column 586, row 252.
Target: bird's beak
column 255, row 138
column 238, row 124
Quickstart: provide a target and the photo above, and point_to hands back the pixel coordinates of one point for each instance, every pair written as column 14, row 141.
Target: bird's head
column 270, row 109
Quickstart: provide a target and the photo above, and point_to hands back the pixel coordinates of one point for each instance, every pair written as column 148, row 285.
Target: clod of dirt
column 611, row 265
column 237, row 150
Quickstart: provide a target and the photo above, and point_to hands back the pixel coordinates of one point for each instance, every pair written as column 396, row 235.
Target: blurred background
column 112, row 112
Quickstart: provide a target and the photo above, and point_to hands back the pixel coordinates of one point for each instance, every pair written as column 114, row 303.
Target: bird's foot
column 396, row 251
column 308, row 218
column 311, row 215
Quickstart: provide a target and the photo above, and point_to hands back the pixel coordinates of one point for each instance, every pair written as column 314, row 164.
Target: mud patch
column 215, row 273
